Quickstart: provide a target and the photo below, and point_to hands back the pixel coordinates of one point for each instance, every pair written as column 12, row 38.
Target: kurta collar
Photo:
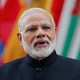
column 44, row 62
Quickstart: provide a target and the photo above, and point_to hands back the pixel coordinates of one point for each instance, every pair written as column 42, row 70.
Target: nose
column 40, row 33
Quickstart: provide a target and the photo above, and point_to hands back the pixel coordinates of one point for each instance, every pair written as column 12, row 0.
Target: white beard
column 39, row 53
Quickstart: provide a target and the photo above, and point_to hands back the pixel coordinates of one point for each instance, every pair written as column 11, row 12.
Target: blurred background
column 66, row 14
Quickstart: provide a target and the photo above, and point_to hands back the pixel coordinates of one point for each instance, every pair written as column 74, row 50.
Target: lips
column 41, row 43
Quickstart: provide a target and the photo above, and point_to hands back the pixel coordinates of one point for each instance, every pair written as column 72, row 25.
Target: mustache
column 41, row 39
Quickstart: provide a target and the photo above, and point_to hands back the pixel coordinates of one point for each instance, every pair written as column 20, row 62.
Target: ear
column 56, row 29
column 19, row 36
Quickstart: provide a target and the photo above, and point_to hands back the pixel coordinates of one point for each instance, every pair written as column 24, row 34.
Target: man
column 38, row 39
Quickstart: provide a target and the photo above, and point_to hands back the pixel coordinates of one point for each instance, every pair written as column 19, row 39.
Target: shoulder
column 68, row 62
column 11, row 69
column 67, row 59
column 11, row 65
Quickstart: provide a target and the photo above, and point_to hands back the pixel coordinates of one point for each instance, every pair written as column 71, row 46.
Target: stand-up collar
column 44, row 62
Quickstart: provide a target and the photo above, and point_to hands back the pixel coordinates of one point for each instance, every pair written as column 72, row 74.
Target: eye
column 31, row 29
column 46, row 27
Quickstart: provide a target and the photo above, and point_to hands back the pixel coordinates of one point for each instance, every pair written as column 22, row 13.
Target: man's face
column 38, row 32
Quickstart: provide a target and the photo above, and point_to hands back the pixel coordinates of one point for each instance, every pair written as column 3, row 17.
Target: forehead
column 37, row 17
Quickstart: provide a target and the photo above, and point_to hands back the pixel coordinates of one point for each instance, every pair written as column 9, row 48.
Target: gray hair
column 33, row 10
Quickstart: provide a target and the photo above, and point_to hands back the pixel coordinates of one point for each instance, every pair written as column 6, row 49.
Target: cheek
column 51, row 35
column 29, row 38
column 54, row 35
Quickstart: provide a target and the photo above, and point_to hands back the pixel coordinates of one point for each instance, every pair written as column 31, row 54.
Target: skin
column 34, row 26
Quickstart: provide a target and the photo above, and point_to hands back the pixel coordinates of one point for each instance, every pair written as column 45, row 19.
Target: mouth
column 41, row 43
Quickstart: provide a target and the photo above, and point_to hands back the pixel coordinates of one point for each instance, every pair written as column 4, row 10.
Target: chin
column 39, row 53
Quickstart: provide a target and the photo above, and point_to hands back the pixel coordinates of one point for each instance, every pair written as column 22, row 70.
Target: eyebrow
column 35, row 25
column 45, row 24
column 30, row 26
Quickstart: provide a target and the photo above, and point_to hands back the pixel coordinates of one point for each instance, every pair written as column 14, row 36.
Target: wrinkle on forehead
column 33, row 24
column 37, row 18
column 36, row 13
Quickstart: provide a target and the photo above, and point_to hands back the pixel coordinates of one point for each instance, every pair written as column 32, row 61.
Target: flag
column 66, row 14
column 8, row 16
column 10, row 11
column 68, row 23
